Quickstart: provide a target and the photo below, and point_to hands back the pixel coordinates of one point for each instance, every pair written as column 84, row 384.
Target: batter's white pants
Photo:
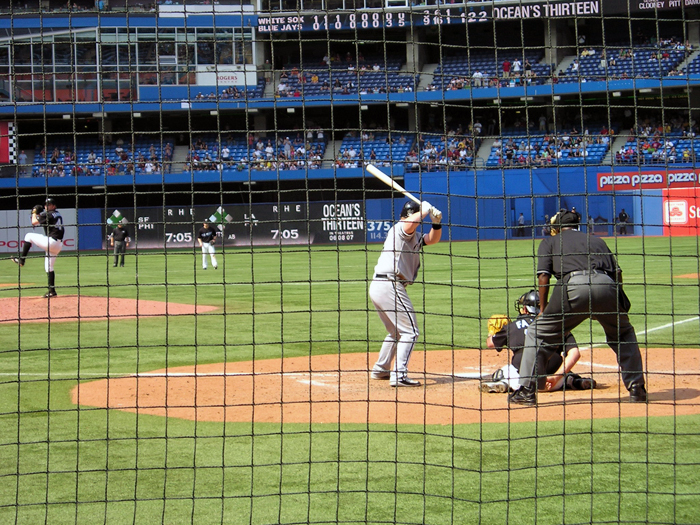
column 395, row 309
column 208, row 249
column 51, row 246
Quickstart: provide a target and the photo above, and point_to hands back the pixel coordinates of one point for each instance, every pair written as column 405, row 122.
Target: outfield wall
column 481, row 205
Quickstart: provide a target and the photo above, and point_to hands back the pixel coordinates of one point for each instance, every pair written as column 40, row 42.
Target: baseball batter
column 51, row 242
column 396, row 268
column 556, row 361
column 206, row 236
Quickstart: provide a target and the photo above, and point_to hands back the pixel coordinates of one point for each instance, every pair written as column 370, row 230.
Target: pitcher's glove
column 496, row 323
column 36, row 210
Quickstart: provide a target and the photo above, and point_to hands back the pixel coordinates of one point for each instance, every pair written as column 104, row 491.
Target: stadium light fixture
column 137, row 115
column 364, row 107
column 645, row 90
column 67, row 117
column 617, row 94
column 213, row 112
column 290, row 110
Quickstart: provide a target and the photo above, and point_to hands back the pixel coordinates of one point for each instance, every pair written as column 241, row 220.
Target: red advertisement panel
column 681, row 211
column 649, row 180
column 4, row 143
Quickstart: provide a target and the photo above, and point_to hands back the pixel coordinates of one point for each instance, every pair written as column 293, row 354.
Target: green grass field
column 64, row 464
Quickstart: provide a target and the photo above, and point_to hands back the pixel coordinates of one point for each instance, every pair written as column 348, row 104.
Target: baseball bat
column 390, row 182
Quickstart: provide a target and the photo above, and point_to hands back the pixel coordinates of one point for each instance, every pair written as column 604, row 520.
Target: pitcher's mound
column 64, row 308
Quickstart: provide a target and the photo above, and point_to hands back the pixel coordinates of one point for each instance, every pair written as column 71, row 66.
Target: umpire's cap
column 564, row 219
column 410, row 208
column 49, row 201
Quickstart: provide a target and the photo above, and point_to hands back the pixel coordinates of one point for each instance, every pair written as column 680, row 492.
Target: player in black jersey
column 556, row 361
column 51, row 242
column 589, row 286
column 206, row 237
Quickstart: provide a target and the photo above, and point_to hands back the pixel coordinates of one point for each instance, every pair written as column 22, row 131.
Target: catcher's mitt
column 37, row 209
column 496, row 323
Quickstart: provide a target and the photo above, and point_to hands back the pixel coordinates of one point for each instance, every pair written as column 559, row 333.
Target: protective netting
column 207, row 340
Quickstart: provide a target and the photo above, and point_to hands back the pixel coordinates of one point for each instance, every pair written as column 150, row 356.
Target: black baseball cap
column 49, row 200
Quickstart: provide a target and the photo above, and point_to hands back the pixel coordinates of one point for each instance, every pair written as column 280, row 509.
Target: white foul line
column 669, row 325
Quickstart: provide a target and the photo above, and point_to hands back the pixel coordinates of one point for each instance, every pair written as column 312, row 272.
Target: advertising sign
column 681, row 211
column 649, row 180
column 14, row 225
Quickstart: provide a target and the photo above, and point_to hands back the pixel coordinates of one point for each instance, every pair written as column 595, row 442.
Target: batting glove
column 435, row 215
column 425, row 207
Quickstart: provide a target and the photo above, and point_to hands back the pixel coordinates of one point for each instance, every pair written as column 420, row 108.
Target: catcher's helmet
column 530, row 301
column 409, row 208
column 49, row 202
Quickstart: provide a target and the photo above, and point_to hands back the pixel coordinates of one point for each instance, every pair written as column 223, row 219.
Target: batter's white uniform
column 207, row 236
column 396, row 268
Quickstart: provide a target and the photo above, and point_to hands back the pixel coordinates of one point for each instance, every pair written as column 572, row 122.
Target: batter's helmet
column 410, row 208
column 530, row 301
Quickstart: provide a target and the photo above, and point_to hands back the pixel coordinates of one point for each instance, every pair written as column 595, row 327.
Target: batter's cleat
column 17, row 261
column 638, row 394
column 50, row 293
column 525, row 395
column 494, row 387
column 380, row 373
column 404, row 381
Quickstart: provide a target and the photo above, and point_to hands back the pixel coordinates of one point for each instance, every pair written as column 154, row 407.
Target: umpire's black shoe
column 50, row 293
column 17, row 260
column 638, row 394
column 525, row 395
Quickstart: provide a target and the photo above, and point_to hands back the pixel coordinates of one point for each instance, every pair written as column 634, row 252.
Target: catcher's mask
column 530, row 301
column 409, row 209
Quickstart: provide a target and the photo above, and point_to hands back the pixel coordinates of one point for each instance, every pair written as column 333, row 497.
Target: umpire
column 120, row 240
column 589, row 285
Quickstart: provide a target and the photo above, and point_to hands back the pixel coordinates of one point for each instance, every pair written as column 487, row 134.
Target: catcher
column 556, row 361
column 51, row 242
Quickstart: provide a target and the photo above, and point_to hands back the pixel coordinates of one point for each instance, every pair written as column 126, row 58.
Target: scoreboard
column 470, row 13
column 244, row 225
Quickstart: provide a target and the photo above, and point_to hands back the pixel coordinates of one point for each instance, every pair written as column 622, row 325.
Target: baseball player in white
column 396, row 268
column 206, row 237
column 51, row 242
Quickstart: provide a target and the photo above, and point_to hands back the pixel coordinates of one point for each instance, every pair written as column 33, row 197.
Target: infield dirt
column 338, row 389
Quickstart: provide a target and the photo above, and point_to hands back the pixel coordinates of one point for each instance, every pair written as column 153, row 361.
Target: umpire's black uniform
column 120, row 236
column 586, row 273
